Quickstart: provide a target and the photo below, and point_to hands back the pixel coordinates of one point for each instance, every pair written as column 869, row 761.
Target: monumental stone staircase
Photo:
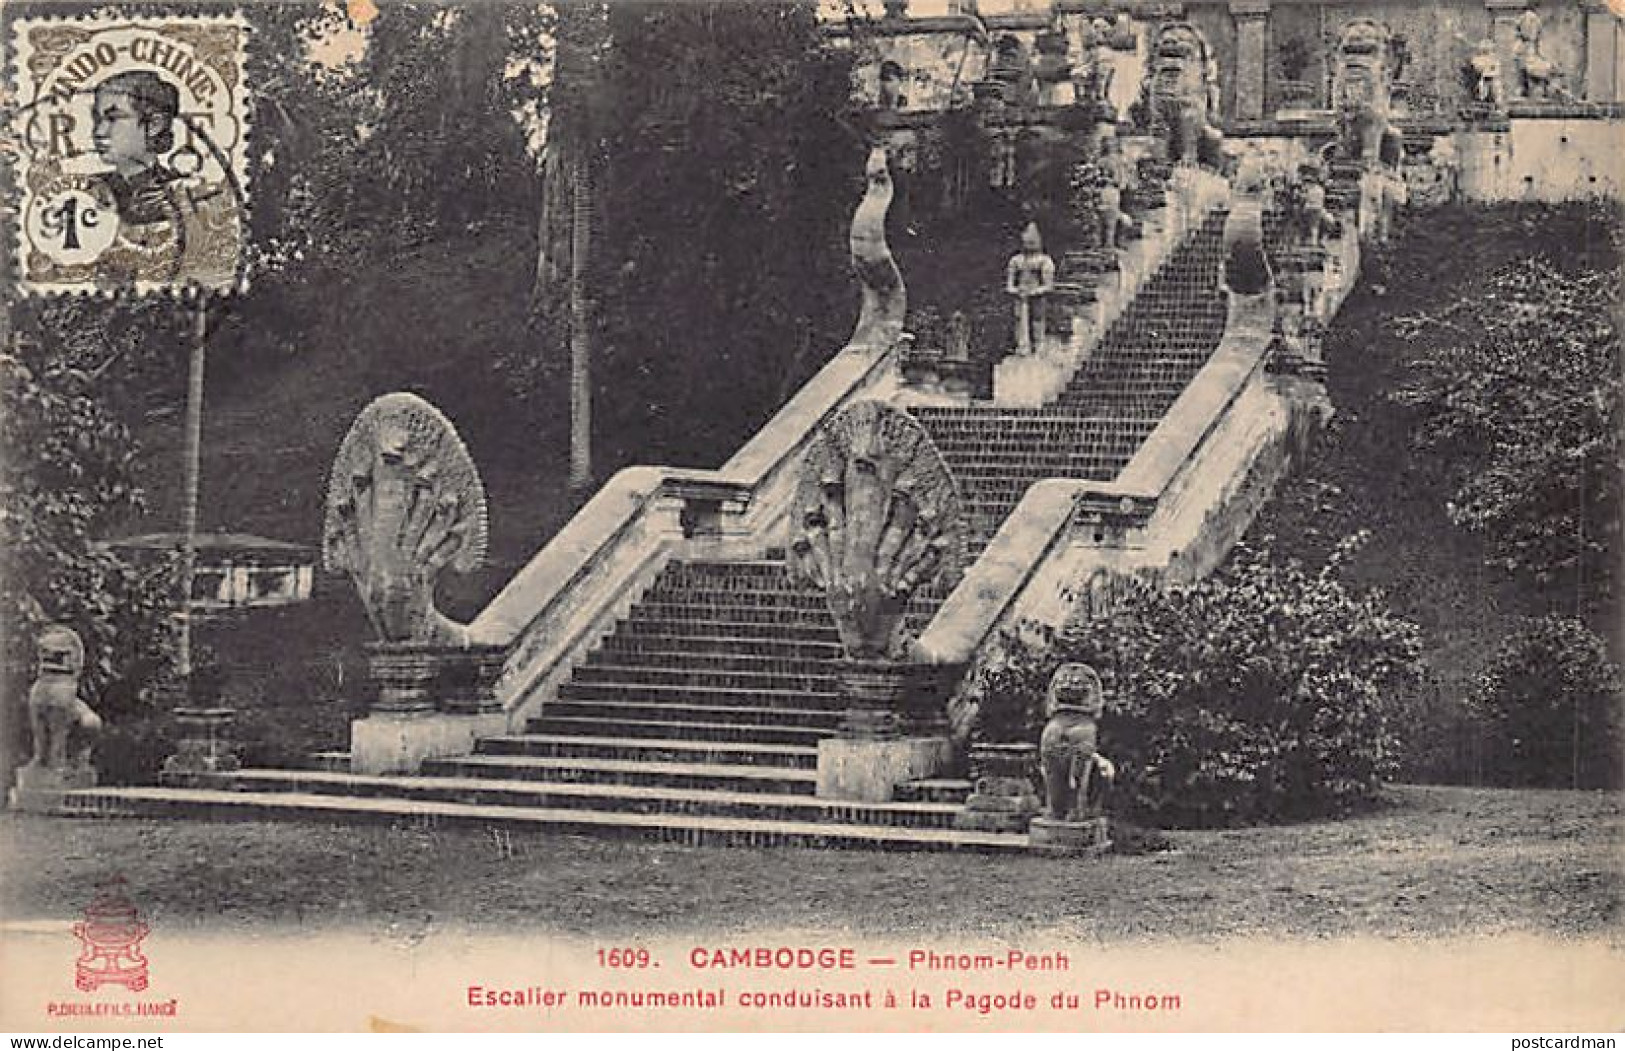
column 697, row 718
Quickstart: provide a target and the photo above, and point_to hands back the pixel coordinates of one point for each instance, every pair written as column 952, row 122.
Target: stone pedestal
column 894, row 729
column 887, row 699
column 870, row 769
column 205, row 745
column 405, row 674
column 433, row 701
column 400, row 742
column 1068, row 838
column 1003, row 795
column 40, row 789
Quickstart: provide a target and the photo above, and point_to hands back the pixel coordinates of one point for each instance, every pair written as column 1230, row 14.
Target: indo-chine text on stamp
column 131, row 142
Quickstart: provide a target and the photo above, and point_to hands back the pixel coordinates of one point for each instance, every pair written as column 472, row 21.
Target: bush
column 1551, row 703
column 1261, row 693
column 1007, row 687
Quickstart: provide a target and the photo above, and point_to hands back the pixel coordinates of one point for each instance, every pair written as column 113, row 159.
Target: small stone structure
column 63, row 725
column 1077, row 778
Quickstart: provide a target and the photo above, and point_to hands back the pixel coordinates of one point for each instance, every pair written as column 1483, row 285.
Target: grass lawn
column 1432, row 861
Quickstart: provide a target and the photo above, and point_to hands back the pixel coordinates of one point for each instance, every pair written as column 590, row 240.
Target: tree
column 67, row 475
column 577, row 125
column 1518, row 381
column 1553, row 706
column 730, row 181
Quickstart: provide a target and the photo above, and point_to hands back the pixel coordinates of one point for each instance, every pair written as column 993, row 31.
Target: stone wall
column 1298, row 41
column 1548, row 160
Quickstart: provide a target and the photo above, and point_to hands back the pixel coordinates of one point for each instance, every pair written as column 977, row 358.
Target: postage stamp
column 130, row 139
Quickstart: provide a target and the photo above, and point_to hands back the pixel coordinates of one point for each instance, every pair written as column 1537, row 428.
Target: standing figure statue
column 1313, row 218
column 63, row 725
column 1030, row 278
column 1077, row 777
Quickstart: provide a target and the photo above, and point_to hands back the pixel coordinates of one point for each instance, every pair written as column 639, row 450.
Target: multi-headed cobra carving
column 403, row 503
column 877, row 518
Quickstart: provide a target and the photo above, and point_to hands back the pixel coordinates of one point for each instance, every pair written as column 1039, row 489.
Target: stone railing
column 1181, row 502
column 596, row 567
column 589, row 575
column 1175, row 510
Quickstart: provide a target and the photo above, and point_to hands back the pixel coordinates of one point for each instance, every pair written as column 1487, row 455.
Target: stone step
column 674, row 828
column 948, row 790
column 724, row 613
column 646, row 646
column 612, row 712
column 651, row 749
column 651, row 626
column 671, row 729
column 754, row 596
column 816, row 663
column 715, row 696
column 809, row 677
column 807, row 606
column 337, row 761
column 997, row 463
column 778, row 780
column 639, row 799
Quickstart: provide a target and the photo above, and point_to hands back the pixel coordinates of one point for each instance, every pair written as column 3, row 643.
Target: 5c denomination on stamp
column 130, row 138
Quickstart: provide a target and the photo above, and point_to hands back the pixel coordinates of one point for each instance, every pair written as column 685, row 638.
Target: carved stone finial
column 1076, row 776
column 63, row 725
column 885, row 300
column 404, row 502
column 877, row 518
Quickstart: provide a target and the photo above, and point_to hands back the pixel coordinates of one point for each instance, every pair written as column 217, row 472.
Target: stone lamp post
column 877, row 520
column 404, row 504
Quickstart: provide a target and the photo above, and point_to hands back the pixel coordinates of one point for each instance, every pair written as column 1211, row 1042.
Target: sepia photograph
column 812, row 516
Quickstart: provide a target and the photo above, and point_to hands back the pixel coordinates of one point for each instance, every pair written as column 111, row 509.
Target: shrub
column 1260, row 693
column 1008, row 685
column 1551, row 703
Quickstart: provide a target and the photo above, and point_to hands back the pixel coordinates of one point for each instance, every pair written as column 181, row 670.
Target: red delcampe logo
column 110, row 941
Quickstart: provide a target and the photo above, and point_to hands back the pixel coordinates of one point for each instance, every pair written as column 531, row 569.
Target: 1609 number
column 624, row 959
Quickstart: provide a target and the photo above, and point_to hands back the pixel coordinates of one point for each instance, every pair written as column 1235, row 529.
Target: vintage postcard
column 912, row 516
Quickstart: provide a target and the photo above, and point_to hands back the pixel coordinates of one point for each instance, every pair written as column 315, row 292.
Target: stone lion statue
column 63, row 725
column 1077, row 777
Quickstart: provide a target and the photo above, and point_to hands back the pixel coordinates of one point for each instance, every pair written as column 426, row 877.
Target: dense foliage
column 722, row 194
column 1553, row 708
column 1518, row 382
column 67, row 474
column 1264, row 692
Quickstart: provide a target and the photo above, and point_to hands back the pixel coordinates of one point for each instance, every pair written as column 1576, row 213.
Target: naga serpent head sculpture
column 404, row 502
column 877, row 518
